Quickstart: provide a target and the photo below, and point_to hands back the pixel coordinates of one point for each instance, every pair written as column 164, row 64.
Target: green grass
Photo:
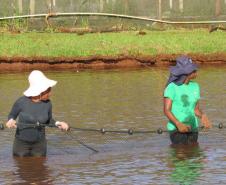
column 112, row 44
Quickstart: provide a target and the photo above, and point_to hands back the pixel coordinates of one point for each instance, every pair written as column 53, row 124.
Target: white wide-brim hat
column 38, row 83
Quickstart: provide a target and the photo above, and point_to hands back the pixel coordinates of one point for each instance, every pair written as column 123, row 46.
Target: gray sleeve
column 51, row 121
column 15, row 110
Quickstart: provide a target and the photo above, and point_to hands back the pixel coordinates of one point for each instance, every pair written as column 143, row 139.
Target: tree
column 32, row 6
column 218, row 8
column 101, row 5
column 159, row 9
column 20, row 4
column 181, row 5
column 126, row 6
column 171, row 4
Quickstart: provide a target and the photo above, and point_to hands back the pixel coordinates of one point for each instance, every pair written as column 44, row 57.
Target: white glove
column 11, row 123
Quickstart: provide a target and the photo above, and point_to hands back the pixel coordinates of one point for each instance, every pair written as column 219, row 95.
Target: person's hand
column 183, row 128
column 205, row 121
column 11, row 123
column 62, row 125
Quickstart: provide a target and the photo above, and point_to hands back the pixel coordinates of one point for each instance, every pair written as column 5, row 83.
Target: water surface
column 117, row 99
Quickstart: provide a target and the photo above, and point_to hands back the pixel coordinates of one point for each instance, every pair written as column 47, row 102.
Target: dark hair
column 46, row 91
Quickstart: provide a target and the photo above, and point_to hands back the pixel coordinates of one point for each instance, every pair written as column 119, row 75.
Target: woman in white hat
column 33, row 109
column 181, row 103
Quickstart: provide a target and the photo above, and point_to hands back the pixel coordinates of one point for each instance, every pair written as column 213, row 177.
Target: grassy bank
column 111, row 44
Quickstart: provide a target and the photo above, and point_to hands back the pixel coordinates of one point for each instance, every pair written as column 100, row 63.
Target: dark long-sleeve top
column 29, row 112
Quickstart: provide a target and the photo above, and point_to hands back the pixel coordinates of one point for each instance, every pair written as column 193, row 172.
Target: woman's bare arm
column 167, row 111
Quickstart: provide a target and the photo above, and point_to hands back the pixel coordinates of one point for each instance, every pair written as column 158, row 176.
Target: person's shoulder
column 170, row 85
column 170, row 88
column 22, row 99
column 194, row 84
column 49, row 104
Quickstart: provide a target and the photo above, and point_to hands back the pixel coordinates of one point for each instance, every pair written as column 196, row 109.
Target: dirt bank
column 101, row 62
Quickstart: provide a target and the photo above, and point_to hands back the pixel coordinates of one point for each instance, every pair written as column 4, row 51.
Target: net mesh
column 90, row 141
column 77, row 142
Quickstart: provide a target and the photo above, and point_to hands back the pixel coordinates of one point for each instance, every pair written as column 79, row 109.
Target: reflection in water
column 32, row 170
column 187, row 162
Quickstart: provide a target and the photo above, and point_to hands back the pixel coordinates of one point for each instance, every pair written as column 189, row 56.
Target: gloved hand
column 11, row 123
column 62, row 125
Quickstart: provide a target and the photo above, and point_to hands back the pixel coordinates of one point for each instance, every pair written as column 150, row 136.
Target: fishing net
column 100, row 140
column 77, row 141
column 80, row 140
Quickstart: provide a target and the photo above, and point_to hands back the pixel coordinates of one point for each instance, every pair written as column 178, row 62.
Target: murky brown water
column 118, row 99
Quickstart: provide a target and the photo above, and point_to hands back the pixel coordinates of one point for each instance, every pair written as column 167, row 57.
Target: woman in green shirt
column 181, row 103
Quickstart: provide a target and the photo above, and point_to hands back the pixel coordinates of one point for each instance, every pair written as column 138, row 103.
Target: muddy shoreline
column 101, row 62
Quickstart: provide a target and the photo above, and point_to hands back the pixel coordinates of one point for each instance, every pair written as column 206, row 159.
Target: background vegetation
column 112, row 44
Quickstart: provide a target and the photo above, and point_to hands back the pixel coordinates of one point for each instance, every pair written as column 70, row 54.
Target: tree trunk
column 171, row 4
column 32, row 6
column 20, row 4
column 160, row 9
column 49, row 5
column 126, row 6
column 181, row 5
column 101, row 5
column 218, row 8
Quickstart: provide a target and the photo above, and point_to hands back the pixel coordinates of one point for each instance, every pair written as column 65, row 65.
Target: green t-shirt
column 184, row 99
